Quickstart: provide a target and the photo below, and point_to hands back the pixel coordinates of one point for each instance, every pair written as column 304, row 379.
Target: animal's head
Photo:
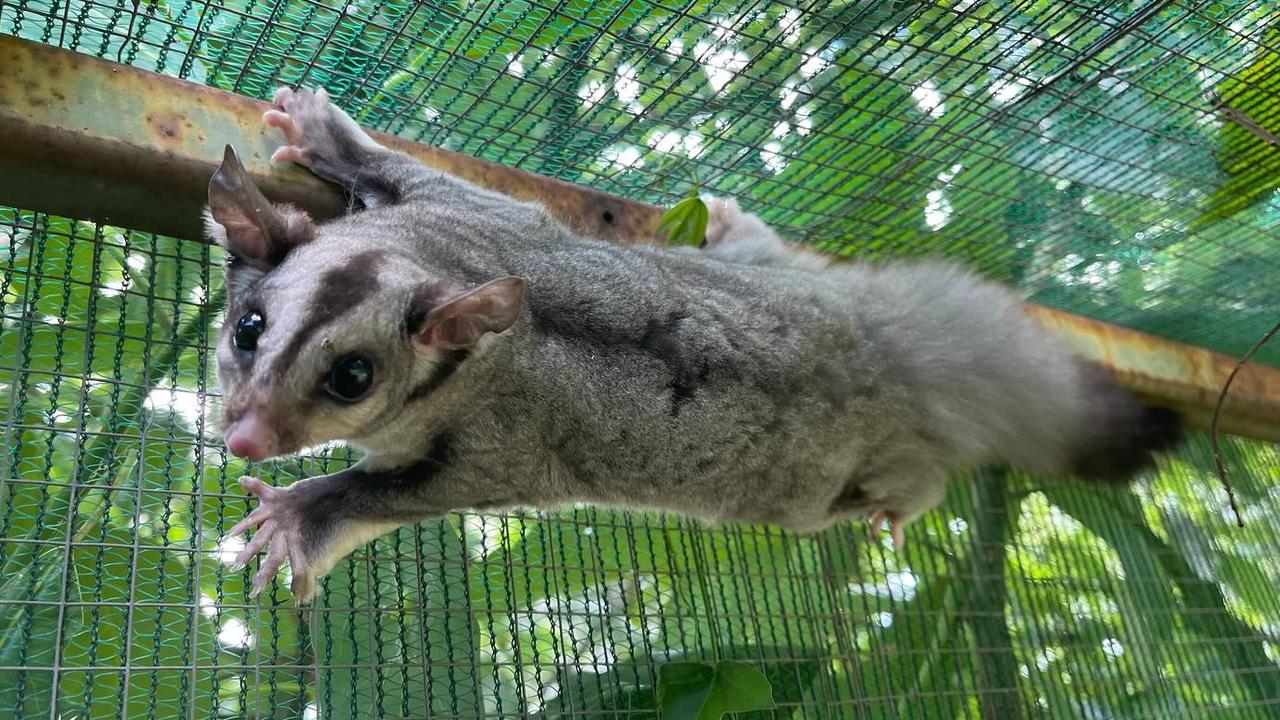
column 326, row 337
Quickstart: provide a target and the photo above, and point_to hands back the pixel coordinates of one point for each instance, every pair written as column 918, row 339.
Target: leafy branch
column 685, row 223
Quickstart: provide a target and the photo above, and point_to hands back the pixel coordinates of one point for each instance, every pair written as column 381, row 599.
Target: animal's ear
column 242, row 220
column 459, row 319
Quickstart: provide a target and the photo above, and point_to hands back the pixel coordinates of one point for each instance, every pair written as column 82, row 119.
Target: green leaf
column 591, row 697
column 628, row 687
column 700, row 691
column 685, row 223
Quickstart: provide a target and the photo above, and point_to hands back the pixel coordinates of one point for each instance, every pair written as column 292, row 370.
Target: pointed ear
column 242, row 220
column 460, row 319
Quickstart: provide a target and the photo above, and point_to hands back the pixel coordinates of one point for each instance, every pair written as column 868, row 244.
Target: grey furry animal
column 482, row 356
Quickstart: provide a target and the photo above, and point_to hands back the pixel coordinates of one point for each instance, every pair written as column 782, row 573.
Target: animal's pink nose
column 251, row 437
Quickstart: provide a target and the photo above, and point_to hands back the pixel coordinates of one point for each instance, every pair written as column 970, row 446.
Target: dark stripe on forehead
column 342, row 288
column 440, row 374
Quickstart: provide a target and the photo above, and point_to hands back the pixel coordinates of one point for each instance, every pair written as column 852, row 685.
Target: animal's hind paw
column 897, row 526
column 722, row 213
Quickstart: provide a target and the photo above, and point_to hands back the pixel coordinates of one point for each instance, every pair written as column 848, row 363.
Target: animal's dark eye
column 350, row 378
column 248, row 329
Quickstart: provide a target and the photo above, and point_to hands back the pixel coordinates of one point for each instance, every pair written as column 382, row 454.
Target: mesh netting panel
column 1115, row 159
column 1112, row 158
column 1016, row 599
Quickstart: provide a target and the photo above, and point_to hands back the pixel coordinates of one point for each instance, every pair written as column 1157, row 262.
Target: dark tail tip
column 1125, row 436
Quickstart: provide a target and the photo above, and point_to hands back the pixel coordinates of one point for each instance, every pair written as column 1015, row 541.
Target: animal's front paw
column 722, row 213
column 279, row 521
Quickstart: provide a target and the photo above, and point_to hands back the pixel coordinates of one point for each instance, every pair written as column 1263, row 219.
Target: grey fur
column 746, row 382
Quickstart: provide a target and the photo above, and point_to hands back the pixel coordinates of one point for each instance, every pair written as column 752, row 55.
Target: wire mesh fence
column 117, row 598
column 1110, row 158
column 1113, row 158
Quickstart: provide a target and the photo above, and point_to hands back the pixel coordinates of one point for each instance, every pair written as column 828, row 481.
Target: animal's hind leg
column 899, row 498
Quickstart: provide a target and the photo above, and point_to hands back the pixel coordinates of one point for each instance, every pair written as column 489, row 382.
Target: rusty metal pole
column 91, row 139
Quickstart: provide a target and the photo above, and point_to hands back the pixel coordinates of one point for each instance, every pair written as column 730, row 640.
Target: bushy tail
column 996, row 385
column 1121, row 434
column 993, row 384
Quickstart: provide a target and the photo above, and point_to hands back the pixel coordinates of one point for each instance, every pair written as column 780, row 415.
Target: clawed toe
column 270, row 565
column 897, row 526
column 875, row 523
column 252, row 548
column 291, row 153
column 278, row 119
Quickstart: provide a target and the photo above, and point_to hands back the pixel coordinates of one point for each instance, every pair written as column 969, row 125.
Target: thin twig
column 1217, row 410
column 1242, row 119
